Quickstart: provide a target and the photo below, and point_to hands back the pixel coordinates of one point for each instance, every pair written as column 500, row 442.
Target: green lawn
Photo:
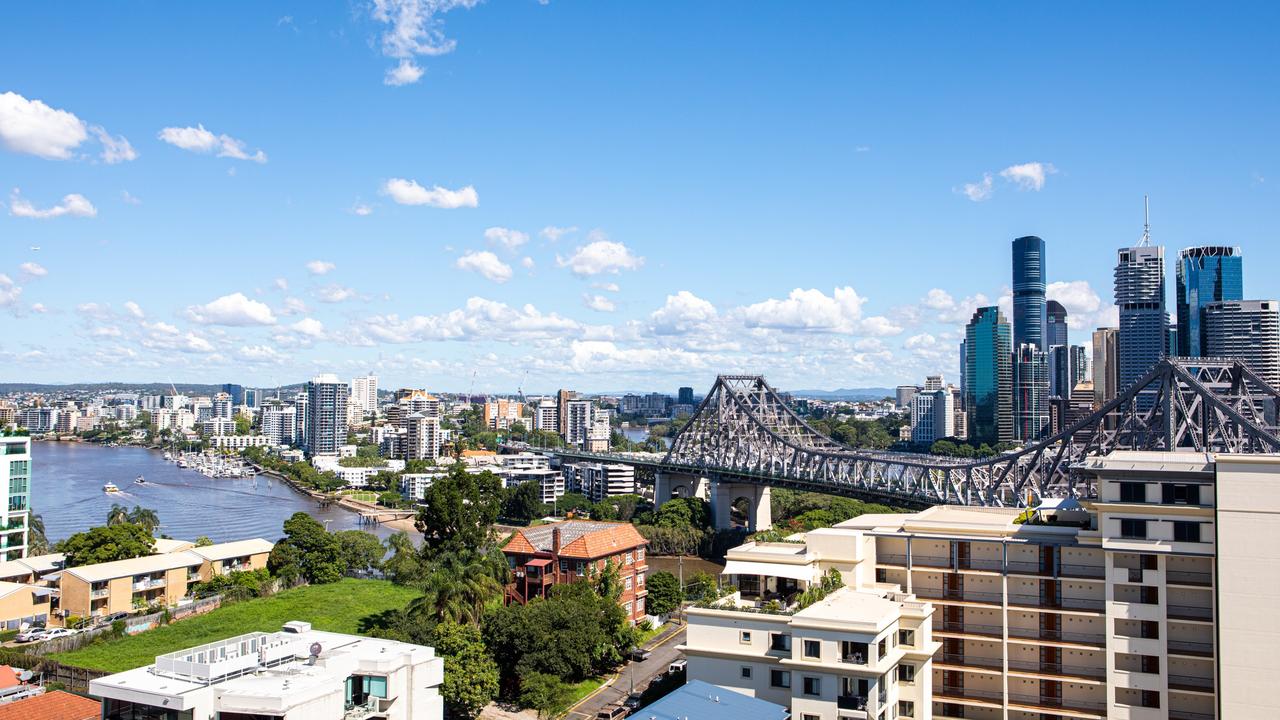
column 339, row 607
column 362, row 495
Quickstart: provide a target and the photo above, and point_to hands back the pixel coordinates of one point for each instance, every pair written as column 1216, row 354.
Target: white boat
column 139, row 480
column 110, row 488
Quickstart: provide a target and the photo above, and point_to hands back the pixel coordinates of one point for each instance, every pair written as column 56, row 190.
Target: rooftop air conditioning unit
column 296, row 627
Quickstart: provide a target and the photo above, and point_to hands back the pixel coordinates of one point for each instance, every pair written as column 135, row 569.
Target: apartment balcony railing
column 1028, row 567
column 972, row 661
column 96, row 594
column 1175, row 714
column 1066, row 703
column 938, row 561
column 969, row 629
column 1189, row 577
column 967, row 693
column 1057, row 635
column 1035, row 666
column 980, row 564
column 1190, row 612
column 851, row 702
column 1187, row 647
column 891, row 559
column 1082, row 571
column 1063, row 603
column 1190, row 682
column 854, row 659
column 934, row 593
column 148, row 584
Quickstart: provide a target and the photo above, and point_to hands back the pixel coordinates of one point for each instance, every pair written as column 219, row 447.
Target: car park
column 613, row 712
column 31, row 634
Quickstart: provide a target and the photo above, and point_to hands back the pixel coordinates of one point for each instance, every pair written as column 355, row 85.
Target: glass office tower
column 1030, row 393
column 1028, row 292
column 1144, row 322
column 988, row 376
column 1213, row 273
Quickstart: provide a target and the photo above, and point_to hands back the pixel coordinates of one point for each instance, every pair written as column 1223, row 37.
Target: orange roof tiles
column 578, row 539
column 56, row 705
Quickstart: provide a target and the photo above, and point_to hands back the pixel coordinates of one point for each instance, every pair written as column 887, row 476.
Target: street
column 637, row 674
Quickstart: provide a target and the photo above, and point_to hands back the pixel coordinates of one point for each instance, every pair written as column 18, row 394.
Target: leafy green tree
column 523, row 502
column 545, row 693
column 456, row 589
column 37, row 541
column 470, row 675
column 684, row 512
column 458, row 511
column 360, row 551
column 319, row 557
column 404, row 565
column 243, row 425
column 203, row 541
column 106, row 543
column 664, row 593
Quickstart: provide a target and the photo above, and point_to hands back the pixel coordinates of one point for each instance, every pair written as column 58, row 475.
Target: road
column 638, row 672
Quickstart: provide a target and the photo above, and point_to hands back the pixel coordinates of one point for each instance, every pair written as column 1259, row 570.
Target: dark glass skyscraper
column 1144, row 323
column 1030, row 393
column 1213, row 273
column 1028, row 292
column 1055, row 325
column 988, row 376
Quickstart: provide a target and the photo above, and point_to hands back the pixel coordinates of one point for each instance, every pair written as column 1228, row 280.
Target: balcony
column 1058, row 636
column 1189, row 577
column 1028, row 567
column 98, row 594
column 148, row 584
column 1189, row 612
column 993, row 564
column 935, row 561
column 1082, row 571
column 973, row 596
column 1187, row 647
column 1056, row 603
column 1042, row 668
column 851, row 702
column 972, row 661
column 1175, row 714
column 969, row 629
column 964, row 693
column 1191, row 683
column 891, row 559
column 1067, row 703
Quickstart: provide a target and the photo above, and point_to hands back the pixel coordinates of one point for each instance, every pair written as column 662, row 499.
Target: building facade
column 1030, row 393
column 933, row 416
column 1208, row 274
column 1105, row 370
column 563, row 552
column 1028, row 292
column 1055, row 327
column 1144, row 322
column 1245, row 329
column 988, row 373
column 326, row 413
column 15, row 510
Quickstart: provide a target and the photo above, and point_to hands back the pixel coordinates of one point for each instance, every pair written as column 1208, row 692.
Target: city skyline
column 506, row 215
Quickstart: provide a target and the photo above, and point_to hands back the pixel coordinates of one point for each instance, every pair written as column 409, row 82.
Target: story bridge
column 743, row 439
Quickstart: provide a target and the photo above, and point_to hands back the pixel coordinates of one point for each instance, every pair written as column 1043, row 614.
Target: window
column 1133, row 492
column 627, row 584
column 780, row 678
column 906, row 708
column 1150, row 698
column 1150, row 664
column 1185, row 531
column 744, row 637
column 628, row 559
column 640, row 606
column 564, row 566
column 1133, row 528
column 812, row 685
column 640, row 579
column 882, row 575
column 812, row 649
column 810, row 716
column 639, row 554
column 1181, row 494
column 881, row 649
column 745, row 672
column 627, row 606
column 906, row 637
column 906, row 673
column 780, row 642
column 579, row 567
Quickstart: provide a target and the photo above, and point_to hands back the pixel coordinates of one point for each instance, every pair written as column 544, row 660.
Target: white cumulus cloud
column 30, row 126
column 599, row 303
column 682, row 313
column 335, row 293
column 486, row 264
column 1028, row 176
column 601, row 256
column 407, row 72
column 808, row 310
column 553, row 233
column 74, row 205
column 409, row 192
column 33, row 269
column 114, row 149
column 234, row 310
column 309, row 327
column 320, row 267
column 197, row 139
column 415, row 28
column 977, row 191
column 505, row 237
column 134, row 309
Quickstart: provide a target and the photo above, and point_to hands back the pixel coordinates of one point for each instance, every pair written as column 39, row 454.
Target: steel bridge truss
column 743, row 431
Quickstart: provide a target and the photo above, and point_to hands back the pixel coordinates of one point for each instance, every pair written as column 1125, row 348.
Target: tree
column 404, row 566
column 470, row 675
column 456, row 589
column 243, row 425
column 203, row 541
column 360, row 551
column 545, row 693
column 523, row 502
column 37, row 541
column 459, row 510
column 146, row 517
column 106, row 543
column 684, row 512
column 316, row 553
column 664, row 593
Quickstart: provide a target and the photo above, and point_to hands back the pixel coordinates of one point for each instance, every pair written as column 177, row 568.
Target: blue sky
column 821, row 192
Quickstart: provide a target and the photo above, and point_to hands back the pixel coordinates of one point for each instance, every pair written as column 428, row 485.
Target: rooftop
column 848, row 606
column 135, row 566
column 56, row 705
column 1165, row 462
column 168, row 545
column 578, row 538
column 704, row 701
column 239, row 548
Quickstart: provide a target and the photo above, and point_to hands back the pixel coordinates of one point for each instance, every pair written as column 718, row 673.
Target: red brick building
column 563, row 552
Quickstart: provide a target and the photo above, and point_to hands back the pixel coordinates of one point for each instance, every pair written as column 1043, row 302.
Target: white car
column 31, row 635
column 57, row 633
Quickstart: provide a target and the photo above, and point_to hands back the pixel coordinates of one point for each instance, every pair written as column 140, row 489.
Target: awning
column 538, row 562
column 808, row 573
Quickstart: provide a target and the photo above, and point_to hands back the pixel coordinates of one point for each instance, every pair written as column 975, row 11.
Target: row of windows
column 812, row 650
column 1183, row 530
column 1170, row 493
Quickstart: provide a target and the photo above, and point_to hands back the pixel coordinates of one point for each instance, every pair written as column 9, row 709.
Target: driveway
column 639, row 673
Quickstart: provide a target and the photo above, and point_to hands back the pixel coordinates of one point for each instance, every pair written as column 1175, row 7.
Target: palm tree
column 117, row 515
column 146, row 517
column 37, row 542
column 457, row 589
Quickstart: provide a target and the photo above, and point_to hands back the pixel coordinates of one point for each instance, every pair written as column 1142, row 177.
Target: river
column 66, row 490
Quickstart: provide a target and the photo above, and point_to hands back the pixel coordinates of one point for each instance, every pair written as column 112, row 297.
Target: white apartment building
column 15, row 503
column 218, row 426
column 577, row 422
column 221, row 406
column 363, row 399
column 422, row 437
column 932, row 415
column 280, row 423
column 551, row 483
column 413, row 486
column 38, row 419
column 239, row 442
column 600, row 480
column 295, row 674
column 1154, row 601
column 546, row 415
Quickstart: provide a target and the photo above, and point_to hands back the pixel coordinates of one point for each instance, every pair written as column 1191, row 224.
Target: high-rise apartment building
column 363, row 397
column 1209, row 274
column 326, row 415
column 1150, row 602
column 1055, row 326
column 1106, row 367
column 1028, row 292
column 221, row 407
column 500, row 413
column 684, row 396
column 932, row 416
column 577, row 420
column 904, row 394
column 988, row 374
column 1245, row 329
column 562, row 411
column 1030, row 393
column 279, row 423
column 546, row 416
column 15, row 483
column 422, row 437
column 1140, row 295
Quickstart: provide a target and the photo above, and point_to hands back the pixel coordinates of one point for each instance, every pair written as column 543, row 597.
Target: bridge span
column 743, row 439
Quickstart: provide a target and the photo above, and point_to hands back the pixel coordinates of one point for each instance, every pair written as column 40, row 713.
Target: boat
column 110, row 488
column 139, row 480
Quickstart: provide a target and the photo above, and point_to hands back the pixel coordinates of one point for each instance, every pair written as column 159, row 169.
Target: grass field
column 361, row 495
column 339, row 607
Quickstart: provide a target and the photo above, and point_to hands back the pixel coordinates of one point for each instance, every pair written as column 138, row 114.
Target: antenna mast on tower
column 1146, row 223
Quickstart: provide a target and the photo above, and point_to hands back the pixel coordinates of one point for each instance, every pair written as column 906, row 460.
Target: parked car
column 108, row 619
column 640, row 654
column 677, row 667
column 57, row 633
column 633, row 702
column 612, row 713
column 31, row 634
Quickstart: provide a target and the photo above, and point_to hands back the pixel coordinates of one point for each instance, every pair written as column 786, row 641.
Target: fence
column 132, row 626
column 76, row 679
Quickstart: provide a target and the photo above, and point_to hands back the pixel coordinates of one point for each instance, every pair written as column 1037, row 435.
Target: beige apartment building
column 1156, row 600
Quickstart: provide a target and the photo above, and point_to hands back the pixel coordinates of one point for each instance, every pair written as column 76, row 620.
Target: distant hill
column 122, row 387
column 872, row 393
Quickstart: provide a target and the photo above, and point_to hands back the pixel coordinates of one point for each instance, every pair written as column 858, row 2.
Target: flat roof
column 848, row 605
column 135, row 566
column 1186, row 461
column 704, row 701
column 169, row 545
column 238, row 548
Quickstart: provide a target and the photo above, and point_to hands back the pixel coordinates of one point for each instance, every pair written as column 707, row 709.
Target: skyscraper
column 1144, row 323
column 684, row 396
column 1208, row 274
column 1055, row 326
column 988, row 380
column 1245, row 329
column 1067, row 368
column 1030, row 393
column 1106, row 371
column 15, row 491
column 1028, row 292
column 326, row 426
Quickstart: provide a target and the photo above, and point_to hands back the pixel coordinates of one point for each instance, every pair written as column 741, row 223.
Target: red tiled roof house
column 563, row 552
